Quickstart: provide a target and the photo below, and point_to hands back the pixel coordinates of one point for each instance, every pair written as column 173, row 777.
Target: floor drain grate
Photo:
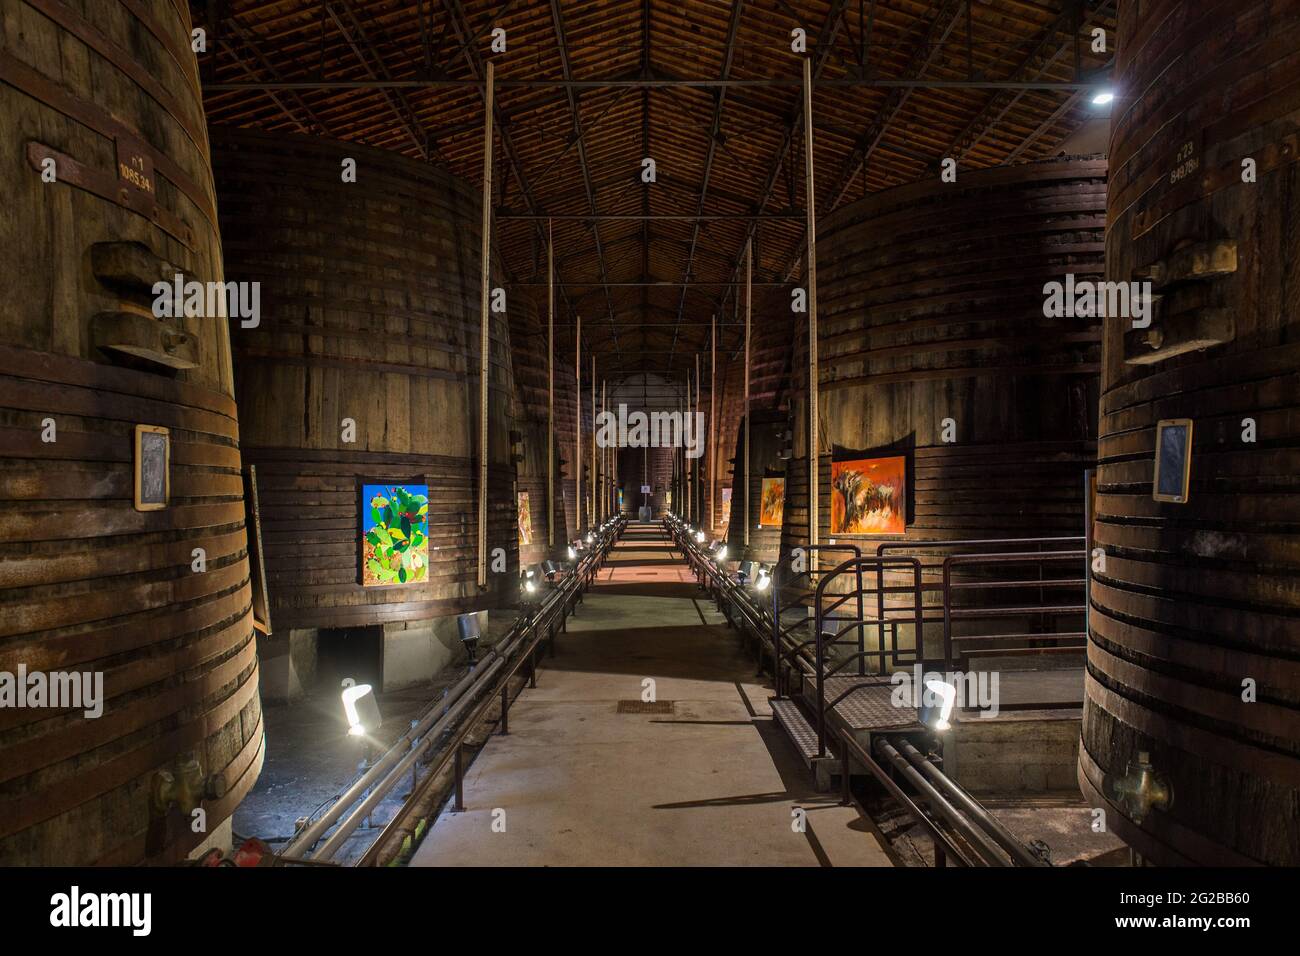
column 645, row 707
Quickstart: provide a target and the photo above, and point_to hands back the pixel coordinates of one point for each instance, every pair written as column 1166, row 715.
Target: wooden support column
column 595, row 476
column 813, row 432
column 677, row 478
column 749, row 278
column 686, row 462
column 550, row 388
column 696, row 487
column 713, row 428
column 577, row 427
column 605, row 464
column 484, row 343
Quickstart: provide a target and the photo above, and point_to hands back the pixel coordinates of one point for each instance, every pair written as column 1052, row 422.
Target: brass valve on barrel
column 183, row 786
column 1140, row 790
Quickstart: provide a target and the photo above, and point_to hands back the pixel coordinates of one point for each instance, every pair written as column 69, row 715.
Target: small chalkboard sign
column 1173, row 460
column 152, row 467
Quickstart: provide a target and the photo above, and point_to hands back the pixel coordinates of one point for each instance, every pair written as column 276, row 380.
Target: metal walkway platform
column 708, row 780
column 870, row 706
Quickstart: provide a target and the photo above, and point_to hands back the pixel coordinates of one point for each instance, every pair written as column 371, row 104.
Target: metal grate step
column 869, row 707
column 802, row 734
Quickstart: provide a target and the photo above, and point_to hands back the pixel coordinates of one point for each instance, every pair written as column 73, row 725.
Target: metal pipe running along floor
column 647, row 742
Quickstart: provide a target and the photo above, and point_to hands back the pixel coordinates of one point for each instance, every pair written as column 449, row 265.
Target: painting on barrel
column 525, row 520
column 395, row 534
column 772, row 503
column 869, row 496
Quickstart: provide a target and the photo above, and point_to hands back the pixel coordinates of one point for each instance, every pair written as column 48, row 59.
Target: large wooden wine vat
column 107, row 191
column 767, row 439
column 1194, row 652
column 769, row 381
column 532, row 418
column 565, row 441
column 370, row 297
column 717, row 468
column 932, row 320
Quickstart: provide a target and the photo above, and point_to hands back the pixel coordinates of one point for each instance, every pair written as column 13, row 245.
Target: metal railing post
column 880, row 611
column 459, row 805
column 776, row 629
column 947, row 613
column 845, row 793
column 862, row 631
column 821, row 670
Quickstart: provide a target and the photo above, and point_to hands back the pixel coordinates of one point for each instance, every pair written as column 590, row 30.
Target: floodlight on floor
column 471, row 626
column 937, row 704
column 360, row 708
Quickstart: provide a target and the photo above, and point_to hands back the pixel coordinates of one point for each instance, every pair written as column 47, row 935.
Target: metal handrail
column 996, row 559
column 981, row 543
column 857, row 564
column 944, row 807
column 778, row 634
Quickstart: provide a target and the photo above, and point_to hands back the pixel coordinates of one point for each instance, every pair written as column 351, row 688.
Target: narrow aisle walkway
column 590, row 775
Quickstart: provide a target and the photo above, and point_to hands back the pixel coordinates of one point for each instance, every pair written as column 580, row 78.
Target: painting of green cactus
column 395, row 534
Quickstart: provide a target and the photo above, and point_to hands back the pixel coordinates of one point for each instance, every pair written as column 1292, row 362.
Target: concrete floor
column 711, row 782
column 310, row 759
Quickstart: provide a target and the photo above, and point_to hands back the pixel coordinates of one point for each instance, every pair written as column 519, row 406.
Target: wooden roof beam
column 716, row 127
column 645, row 151
column 558, row 22
column 241, row 35
column 825, row 43
column 418, row 135
column 1023, row 72
column 951, row 13
column 465, row 37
